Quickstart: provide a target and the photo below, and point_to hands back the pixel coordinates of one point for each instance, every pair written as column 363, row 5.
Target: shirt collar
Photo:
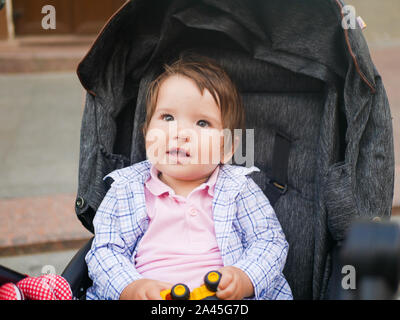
column 210, row 183
column 157, row 187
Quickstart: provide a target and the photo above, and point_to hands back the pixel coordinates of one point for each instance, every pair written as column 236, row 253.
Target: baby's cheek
column 210, row 148
column 155, row 149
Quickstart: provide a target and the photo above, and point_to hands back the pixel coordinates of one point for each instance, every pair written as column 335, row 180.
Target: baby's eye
column 167, row 117
column 203, row 123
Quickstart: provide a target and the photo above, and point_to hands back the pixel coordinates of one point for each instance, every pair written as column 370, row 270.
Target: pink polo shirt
column 179, row 244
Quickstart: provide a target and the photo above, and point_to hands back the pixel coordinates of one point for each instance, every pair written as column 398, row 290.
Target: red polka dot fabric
column 10, row 291
column 46, row 287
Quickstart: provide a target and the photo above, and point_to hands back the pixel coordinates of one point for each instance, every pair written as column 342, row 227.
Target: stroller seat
column 322, row 127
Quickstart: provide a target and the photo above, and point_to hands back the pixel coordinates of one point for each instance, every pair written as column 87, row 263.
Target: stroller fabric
column 321, row 118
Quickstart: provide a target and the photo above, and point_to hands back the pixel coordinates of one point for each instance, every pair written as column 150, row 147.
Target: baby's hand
column 144, row 289
column 234, row 284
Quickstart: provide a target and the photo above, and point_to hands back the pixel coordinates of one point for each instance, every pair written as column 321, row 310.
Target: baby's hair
column 206, row 74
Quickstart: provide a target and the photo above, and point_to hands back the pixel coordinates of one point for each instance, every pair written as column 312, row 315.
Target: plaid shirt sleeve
column 265, row 246
column 108, row 260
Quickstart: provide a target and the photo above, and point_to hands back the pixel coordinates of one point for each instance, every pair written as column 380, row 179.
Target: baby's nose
column 183, row 133
column 183, row 136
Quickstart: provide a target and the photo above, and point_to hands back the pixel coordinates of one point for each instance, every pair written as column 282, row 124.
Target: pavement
column 37, row 53
column 41, row 104
column 40, row 118
column 39, row 263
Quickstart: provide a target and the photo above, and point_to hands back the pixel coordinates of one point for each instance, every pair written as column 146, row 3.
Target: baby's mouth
column 179, row 152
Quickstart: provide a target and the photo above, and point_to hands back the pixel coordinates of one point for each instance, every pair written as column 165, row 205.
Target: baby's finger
column 142, row 296
column 226, row 279
column 227, row 293
column 165, row 285
column 153, row 294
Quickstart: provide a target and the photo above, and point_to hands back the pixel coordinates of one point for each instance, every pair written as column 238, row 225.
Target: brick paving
column 37, row 224
column 38, row 54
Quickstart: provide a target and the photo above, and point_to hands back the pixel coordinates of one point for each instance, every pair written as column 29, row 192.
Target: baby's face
column 184, row 138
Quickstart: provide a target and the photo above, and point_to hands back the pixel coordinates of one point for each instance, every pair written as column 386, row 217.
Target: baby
column 185, row 211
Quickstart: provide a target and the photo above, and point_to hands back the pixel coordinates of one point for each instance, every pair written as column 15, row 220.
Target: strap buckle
column 281, row 188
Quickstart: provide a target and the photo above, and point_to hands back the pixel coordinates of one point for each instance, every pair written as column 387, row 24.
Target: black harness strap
column 277, row 185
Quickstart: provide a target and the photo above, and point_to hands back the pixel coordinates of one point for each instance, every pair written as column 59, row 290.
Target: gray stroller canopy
column 321, row 119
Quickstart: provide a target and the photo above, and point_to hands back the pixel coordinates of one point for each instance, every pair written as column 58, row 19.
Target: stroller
column 321, row 118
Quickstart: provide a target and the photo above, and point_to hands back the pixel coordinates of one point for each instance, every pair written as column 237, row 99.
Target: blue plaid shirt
column 248, row 233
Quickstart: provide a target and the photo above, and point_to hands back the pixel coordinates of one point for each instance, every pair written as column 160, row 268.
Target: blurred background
column 41, row 105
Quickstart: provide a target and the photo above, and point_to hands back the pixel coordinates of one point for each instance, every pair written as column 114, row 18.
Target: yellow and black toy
column 206, row 291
